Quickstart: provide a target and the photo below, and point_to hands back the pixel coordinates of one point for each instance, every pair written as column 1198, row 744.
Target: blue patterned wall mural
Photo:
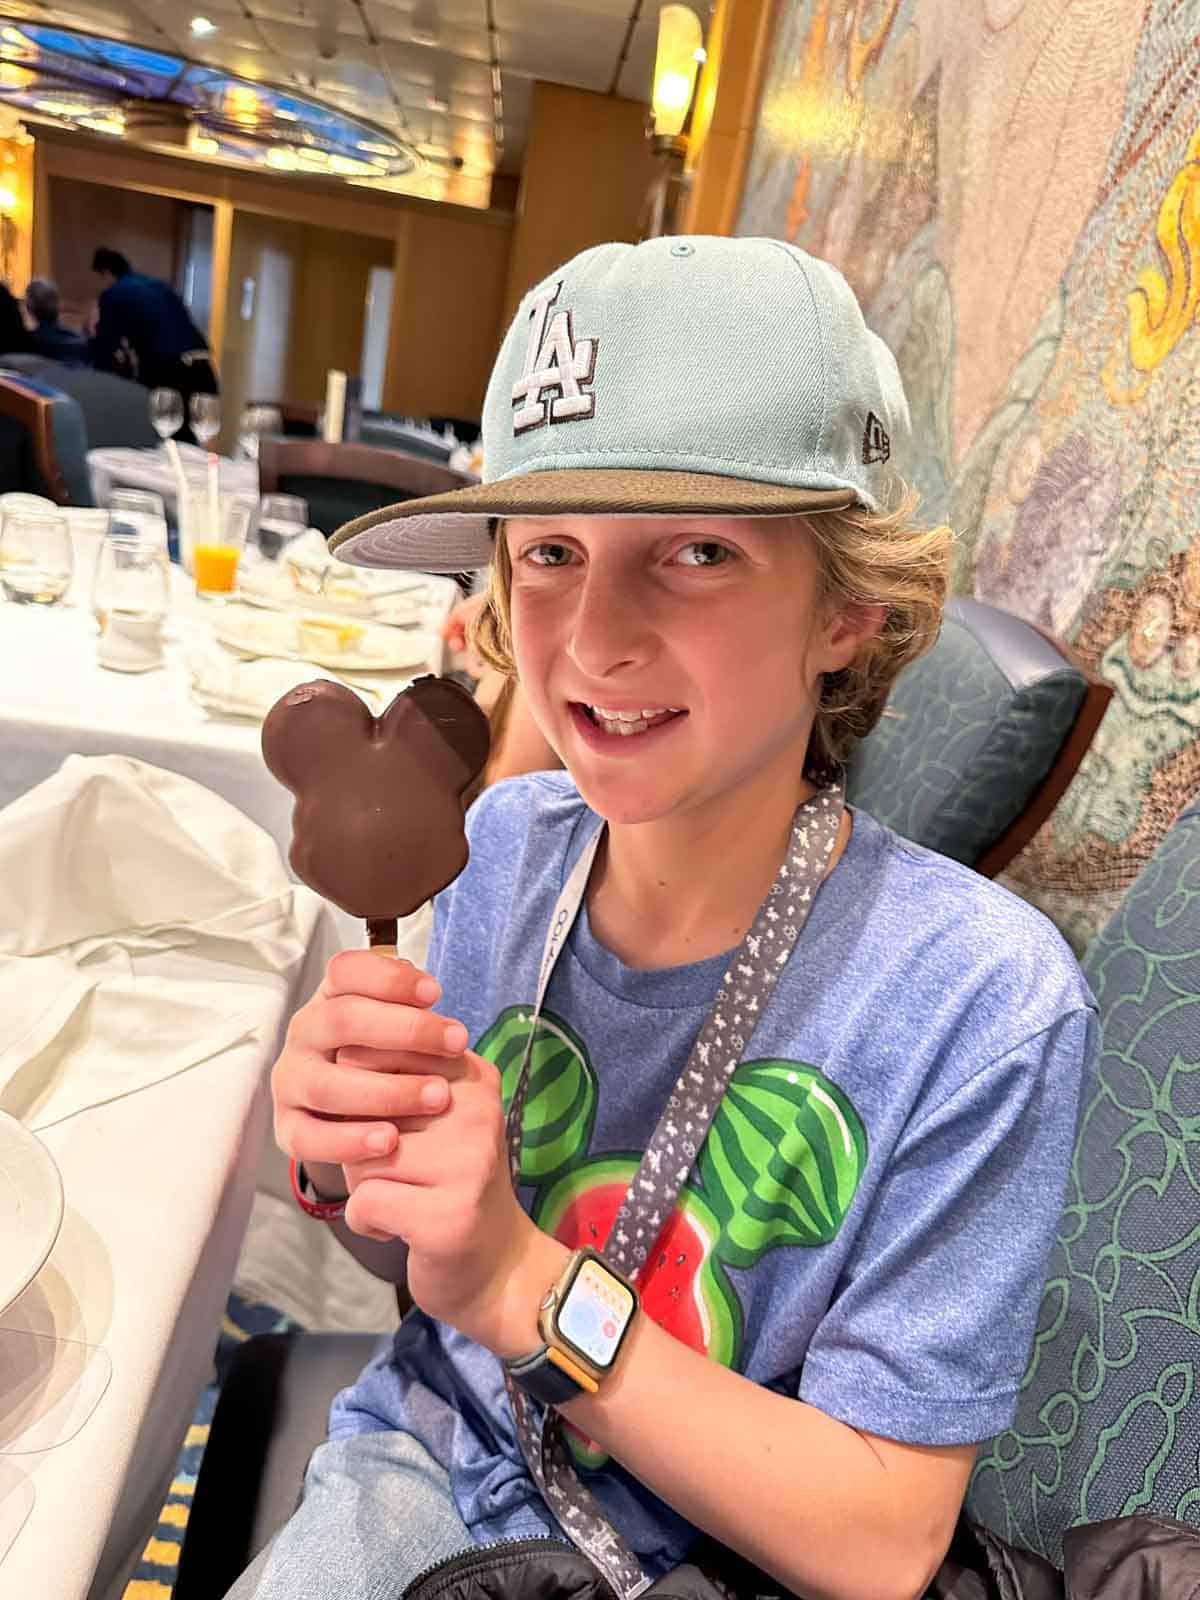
column 1013, row 189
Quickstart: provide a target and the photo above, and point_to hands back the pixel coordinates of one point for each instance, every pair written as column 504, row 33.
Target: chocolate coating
column 378, row 822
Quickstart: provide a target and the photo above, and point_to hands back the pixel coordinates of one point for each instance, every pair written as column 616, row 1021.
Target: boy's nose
column 609, row 629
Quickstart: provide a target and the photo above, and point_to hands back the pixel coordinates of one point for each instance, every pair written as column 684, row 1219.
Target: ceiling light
column 372, row 149
column 285, row 115
column 282, row 159
column 8, row 201
column 63, row 108
column 114, row 124
column 201, row 26
column 13, row 36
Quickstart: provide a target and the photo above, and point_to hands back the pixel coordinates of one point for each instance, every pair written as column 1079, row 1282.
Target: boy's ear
column 850, row 627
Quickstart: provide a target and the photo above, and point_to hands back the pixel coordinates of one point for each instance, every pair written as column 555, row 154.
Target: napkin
column 143, row 917
column 231, row 687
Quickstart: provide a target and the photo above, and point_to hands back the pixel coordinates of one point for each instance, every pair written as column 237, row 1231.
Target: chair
column 1108, row 1421
column 43, row 441
column 344, row 481
column 116, row 411
column 398, row 433
column 980, row 739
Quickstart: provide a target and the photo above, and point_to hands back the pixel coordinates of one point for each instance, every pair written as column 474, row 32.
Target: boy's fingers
column 336, row 1143
column 405, row 1061
column 346, row 1091
column 380, row 978
column 351, row 1019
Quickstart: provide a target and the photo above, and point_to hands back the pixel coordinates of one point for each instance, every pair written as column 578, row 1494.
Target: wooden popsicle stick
column 382, row 934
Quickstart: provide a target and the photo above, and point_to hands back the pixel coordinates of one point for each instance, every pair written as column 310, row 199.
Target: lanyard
column 739, row 1005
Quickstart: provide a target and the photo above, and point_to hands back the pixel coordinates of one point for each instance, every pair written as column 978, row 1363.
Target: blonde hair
column 874, row 558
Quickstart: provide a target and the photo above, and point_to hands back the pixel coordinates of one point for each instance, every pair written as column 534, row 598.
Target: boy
column 807, row 1088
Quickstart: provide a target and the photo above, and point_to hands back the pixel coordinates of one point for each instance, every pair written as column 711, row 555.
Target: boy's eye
column 548, row 555
column 703, row 553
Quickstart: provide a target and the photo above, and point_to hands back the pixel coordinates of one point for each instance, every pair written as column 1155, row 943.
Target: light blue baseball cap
column 684, row 375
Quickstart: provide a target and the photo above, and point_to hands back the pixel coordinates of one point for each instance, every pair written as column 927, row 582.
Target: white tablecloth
column 158, row 1189
column 116, row 467
column 55, row 700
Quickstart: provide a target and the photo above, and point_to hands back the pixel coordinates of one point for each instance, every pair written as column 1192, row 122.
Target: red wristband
column 323, row 1210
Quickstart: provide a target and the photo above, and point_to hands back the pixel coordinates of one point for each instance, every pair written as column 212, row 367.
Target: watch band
column 322, row 1210
column 550, row 1376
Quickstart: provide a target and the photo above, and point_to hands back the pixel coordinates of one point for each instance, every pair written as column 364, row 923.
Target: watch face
column 595, row 1313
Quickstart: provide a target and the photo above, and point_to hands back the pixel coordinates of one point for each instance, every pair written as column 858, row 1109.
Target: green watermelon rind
column 558, row 1120
column 790, row 1212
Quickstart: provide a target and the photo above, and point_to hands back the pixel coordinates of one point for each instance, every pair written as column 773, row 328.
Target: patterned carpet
column 154, row 1577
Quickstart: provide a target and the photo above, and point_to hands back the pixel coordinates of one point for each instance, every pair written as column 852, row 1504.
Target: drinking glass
column 139, row 512
column 217, row 551
column 131, row 582
column 35, row 558
column 166, row 412
column 252, row 424
column 281, row 517
column 204, row 411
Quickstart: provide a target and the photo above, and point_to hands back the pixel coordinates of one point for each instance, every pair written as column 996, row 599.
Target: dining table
column 56, row 700
column 103, row 1355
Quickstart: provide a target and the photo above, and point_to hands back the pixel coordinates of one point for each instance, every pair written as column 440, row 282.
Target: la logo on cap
column 555, row 365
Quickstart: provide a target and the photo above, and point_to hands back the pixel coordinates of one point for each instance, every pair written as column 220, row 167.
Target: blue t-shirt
column 866, row 1224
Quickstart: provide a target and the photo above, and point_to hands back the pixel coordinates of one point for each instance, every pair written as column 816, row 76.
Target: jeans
column 377, row 1510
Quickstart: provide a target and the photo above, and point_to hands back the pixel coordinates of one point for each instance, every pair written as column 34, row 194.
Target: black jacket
column 1127, row 1558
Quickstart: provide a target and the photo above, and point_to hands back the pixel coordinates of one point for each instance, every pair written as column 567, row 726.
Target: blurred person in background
column 14, row 336
column 49, row 338
column 144, row 332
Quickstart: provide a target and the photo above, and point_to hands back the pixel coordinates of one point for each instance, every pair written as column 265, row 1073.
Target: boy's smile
column 672, row 661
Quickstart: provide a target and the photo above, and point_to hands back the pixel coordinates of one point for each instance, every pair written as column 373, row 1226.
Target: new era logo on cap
column 556, row 365
column 876, row 445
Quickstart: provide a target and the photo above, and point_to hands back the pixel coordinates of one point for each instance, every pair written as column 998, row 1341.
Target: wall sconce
column 677, row 60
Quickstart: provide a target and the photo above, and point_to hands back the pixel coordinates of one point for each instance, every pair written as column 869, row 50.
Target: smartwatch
column 583, row 1319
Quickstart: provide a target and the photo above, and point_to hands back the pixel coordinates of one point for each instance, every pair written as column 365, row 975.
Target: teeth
column 631, row 716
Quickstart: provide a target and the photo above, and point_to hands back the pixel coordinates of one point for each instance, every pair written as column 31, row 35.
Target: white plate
column 272, row 584
column 31, row 1207
column 281, row 633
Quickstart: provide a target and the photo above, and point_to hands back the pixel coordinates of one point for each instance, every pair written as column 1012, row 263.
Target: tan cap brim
column 452, row 532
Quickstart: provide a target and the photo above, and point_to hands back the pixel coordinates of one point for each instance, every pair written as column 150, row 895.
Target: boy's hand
column 364, row 1052
column 475, row 1259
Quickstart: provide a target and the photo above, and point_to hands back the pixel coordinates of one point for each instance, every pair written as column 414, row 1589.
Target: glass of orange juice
column 217, row 551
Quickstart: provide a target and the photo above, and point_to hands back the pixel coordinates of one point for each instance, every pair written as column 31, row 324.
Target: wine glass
column 166, row 412
column 36, row 558
column 204, row 413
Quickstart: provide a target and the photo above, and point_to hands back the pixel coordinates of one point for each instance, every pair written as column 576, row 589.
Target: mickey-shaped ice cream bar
column 378, row 822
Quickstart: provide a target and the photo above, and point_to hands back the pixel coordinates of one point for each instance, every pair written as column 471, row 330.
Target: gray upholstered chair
column 116, row 411
column 980, row 738
column 1109, row 1416
column 43, row 441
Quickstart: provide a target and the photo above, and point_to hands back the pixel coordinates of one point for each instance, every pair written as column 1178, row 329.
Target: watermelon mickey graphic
column 781, row 1165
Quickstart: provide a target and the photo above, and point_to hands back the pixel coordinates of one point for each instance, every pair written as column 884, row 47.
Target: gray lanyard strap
column 682, row 1128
